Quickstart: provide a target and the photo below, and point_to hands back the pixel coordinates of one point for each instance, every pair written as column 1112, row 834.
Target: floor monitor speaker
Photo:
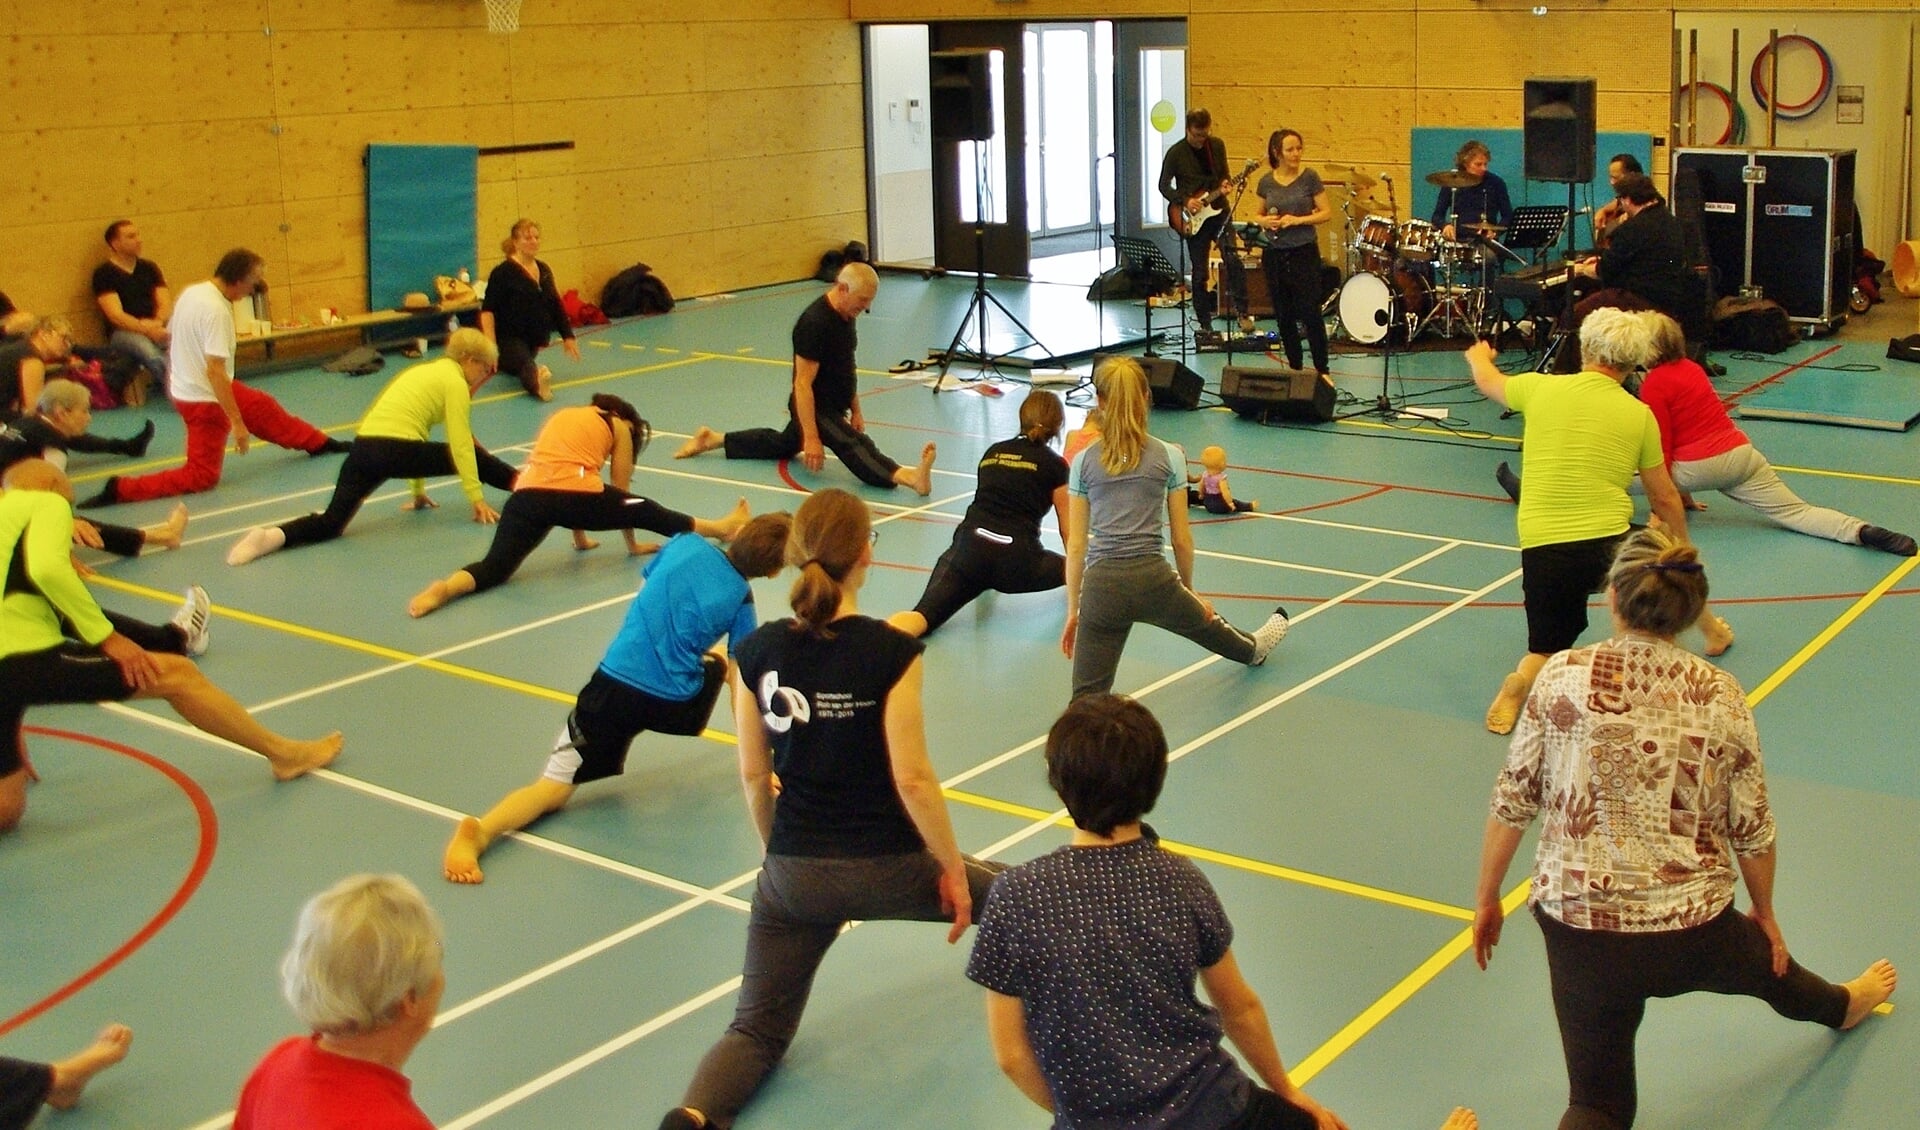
column 1278, row 394
column 1173, row 385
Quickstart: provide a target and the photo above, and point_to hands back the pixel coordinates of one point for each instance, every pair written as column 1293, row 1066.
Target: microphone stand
column 1099, row 260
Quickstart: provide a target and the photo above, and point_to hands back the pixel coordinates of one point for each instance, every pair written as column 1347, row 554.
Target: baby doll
column 1213, row 492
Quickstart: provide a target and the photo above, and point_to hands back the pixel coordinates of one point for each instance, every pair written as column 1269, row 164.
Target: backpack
column 635, row 290
column 1758, row 324
column 581, row 312
column 835, row 258
column 356, row 362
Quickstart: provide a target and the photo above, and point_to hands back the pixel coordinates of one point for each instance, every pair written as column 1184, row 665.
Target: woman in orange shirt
column 561, row 486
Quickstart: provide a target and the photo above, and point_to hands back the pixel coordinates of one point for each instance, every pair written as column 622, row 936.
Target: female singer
column 522, row 308
column 1293, row 201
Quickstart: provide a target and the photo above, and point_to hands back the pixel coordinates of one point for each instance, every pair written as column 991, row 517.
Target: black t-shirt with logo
column 135, row 288
column 825, row 338
column 1017, row 478
column 823, row 705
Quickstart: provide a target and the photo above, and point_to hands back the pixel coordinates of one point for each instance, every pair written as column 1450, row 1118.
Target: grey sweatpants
column 1745, row 476
column 799, row 908
column 1116, row 595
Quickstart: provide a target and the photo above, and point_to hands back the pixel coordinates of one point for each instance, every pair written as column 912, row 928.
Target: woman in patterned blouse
column 1642, row 759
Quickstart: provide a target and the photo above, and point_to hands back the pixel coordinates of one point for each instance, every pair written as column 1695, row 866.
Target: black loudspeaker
column 962, row 101
column 1559, row 138
column 1172, row 384
column 1279, row 394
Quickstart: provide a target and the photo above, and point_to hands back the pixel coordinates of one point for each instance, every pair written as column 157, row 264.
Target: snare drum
column 1419, row 240
column 1373, row 306
column 1375, row 243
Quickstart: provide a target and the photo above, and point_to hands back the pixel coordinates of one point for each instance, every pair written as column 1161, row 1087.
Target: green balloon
column 1161, row 116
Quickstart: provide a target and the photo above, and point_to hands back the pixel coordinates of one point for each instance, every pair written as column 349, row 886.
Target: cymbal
column 1452, row 178
column 1350, row 176
column 1480, row 229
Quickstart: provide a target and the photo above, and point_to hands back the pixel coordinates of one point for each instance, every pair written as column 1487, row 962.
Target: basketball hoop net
column 503, row 16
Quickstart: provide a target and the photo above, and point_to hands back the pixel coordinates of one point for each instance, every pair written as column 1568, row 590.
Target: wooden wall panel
column 755, row 123
column 1377, row 51
column 612, row 61
column 619, row 133
column 325, row 154
column 757, row 56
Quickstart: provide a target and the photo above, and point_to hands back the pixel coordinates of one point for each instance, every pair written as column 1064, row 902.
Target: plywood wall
column 721, row 143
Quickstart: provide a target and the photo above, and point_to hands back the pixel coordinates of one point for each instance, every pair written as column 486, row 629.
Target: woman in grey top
column 1293, row 200
column 1126, row 493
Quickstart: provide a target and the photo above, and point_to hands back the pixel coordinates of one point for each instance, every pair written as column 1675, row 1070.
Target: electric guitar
column 1186, row 218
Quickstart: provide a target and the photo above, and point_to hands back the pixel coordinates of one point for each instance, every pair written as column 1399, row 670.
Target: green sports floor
column 1335, row 796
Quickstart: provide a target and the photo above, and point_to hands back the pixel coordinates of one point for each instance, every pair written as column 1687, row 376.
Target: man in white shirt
column 213, row 404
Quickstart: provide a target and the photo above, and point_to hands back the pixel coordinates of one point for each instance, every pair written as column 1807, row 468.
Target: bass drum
column 1374, row 306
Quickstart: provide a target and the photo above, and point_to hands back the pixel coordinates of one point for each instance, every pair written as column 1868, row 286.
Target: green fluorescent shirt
column 1586, row 437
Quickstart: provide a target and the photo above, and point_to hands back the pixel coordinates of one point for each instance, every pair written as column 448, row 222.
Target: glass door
column 1150, row 72
column 1069, row 80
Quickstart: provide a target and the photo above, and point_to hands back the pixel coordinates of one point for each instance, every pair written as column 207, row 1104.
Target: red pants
column 207, row 431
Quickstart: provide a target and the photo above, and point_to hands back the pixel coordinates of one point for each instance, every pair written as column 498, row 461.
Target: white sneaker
column 194, row 618
column 1268, row 636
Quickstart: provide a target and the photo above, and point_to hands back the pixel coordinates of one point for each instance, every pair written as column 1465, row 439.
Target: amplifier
column 1172, row 384
column 1280, row 394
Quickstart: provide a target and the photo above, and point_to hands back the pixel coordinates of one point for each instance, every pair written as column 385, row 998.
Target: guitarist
column 1194, row 178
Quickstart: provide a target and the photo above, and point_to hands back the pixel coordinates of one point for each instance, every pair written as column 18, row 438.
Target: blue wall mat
column 1433, row 150
column 422, row 216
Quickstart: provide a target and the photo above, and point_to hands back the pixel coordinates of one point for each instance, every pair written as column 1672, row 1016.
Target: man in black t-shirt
column 134, row 299
column 1644, row 264
column 823, row 410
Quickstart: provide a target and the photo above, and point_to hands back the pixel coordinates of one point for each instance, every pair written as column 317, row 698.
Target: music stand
column 1140, row 256
column 1534, row 228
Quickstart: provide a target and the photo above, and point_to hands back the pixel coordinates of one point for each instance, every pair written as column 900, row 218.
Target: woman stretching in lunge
column 561, row 486
column 998, row 543
column 829, row 700
column 1126, row 493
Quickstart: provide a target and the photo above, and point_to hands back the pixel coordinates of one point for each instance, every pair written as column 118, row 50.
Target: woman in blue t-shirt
column 1125, row 494
column 830, row 701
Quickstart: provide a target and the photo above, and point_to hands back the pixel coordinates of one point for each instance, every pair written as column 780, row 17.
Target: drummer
column 1471, row 198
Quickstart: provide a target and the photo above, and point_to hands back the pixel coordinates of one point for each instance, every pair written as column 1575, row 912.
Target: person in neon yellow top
column 40, row 664
column 393, row 443
column 1586, row 437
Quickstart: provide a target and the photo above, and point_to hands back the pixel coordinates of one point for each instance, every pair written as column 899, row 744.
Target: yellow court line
column 1272, row 870
column 1398, row 995
column 1515, row 440
column 1857, row 475
column 1813, row 647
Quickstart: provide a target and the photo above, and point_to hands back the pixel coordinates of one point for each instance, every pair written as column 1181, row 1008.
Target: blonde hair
column 1042, row 416
column 1659, row 585
column 1121, row 385
column 830, row 531
column 469, row 344
column 1668, row 342
column 359, row 948
column 513, row 233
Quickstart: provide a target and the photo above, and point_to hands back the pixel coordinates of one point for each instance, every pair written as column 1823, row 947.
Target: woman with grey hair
column 1586, row 437
column 364, row 976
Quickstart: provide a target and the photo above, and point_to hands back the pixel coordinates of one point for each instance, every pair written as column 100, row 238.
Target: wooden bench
column 379, row 328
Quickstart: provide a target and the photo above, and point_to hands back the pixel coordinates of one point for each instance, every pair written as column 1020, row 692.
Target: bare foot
column 301, row 758
column 1461, row 1119
column 922, row 483
column 704, row 440
column 735, row 519
column 1719, row 634
column 167, row 534
column 1505, row 710
column 71, row 1075
column 1869, row 991
column 543, row 383
column 430, row 598
column 462, row 864
column 642, row 548
column 255, row 544
column 582, row 543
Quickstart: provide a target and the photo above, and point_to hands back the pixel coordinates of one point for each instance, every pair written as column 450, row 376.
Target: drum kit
column 1405, row 278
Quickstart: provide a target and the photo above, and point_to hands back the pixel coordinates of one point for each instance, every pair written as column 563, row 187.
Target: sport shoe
column 1508, row 481
column 193, row 620
column 334, row 446
column 1885, row 540
column 1268, row 636
column 109, row 494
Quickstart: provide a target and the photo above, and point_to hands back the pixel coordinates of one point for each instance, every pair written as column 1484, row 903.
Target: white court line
column 1321, row 570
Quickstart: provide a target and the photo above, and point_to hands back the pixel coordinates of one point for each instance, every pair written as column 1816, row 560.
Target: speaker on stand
column 962, row 100
column 1558, row 138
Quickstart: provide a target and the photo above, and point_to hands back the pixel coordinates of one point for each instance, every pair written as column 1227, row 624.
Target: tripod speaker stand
column 977, row 314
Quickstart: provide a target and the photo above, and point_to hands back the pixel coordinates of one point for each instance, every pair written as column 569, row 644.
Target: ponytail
column 619, row 409
column 830, row 535
column 1659, row 586
column 1042, row 416
column 1121, row 385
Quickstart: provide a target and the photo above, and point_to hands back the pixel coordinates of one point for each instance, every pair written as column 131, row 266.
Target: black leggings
column 837, row 434
column 66, row 672
column 519, row 358
column 24, row 1087
column 1602, row 980
column 373, row 460
column 1293, row 283
column 981, row 559
column 530, row 515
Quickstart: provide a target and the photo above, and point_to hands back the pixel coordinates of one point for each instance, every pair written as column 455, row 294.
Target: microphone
column 1251, row 162
column 1583, row 211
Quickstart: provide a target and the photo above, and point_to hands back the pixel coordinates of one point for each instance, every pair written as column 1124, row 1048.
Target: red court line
column 1790, row 368
column 1336, row 502
column 202, row 860
column 786, row 476
column 1374, row 483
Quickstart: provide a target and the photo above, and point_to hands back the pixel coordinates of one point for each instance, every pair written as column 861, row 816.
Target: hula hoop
column 1801, row 109
column 1736, row 130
